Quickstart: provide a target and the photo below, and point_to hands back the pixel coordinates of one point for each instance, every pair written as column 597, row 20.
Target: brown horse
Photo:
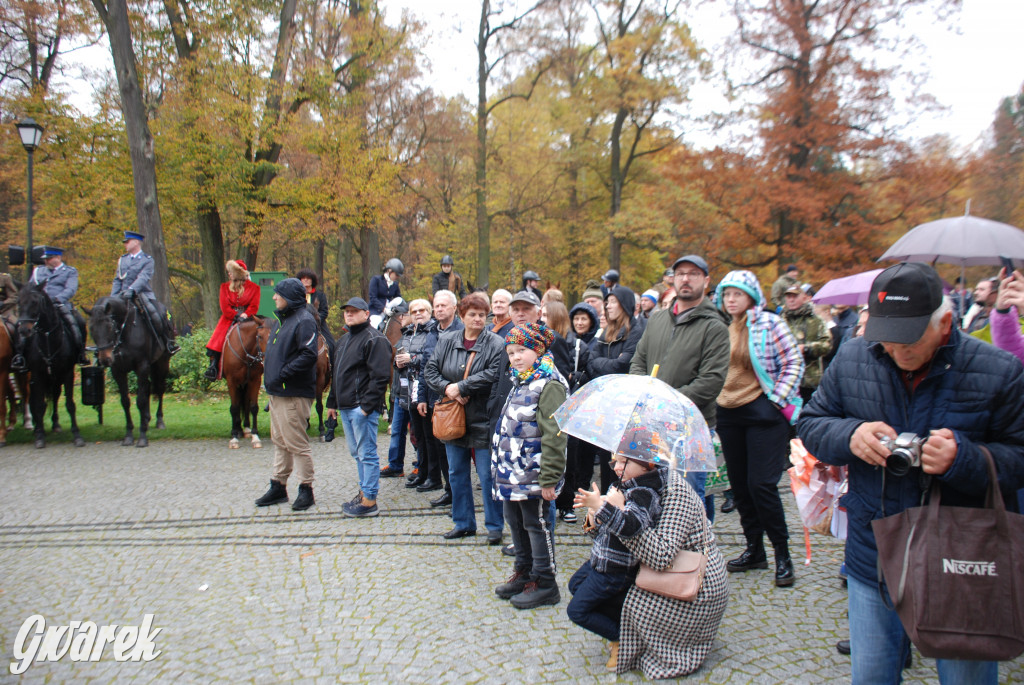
column 323, row 378
column 242, row 364
column 6, row 354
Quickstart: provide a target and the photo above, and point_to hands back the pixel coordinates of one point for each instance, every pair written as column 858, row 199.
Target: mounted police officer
column 60, row 282
column 134, row 272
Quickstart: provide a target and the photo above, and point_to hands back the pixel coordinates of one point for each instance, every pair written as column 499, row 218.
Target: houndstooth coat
column 664, row 637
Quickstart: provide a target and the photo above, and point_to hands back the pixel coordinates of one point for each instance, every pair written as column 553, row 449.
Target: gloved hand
column 127, row 294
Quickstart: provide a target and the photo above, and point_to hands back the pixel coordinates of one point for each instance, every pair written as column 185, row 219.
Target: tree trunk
column 318, row 262
column 617, row 181
column 345, row 249
column 213, row 263
column 140, row 141
column 483, row 223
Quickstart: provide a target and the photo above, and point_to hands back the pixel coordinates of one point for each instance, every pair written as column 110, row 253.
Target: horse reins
column 249, row 359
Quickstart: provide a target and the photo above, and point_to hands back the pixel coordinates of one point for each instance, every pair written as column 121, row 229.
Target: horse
column 245, row 346
column 323, row 378
column 125, row 342
column 50, row 355
column 6, row 354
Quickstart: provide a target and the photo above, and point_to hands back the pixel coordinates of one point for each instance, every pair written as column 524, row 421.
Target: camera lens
column 898, row 463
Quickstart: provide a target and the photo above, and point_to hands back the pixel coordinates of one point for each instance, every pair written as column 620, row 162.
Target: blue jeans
column 697, row 480
column 361, row 435
column 399, row 429
column 459, row 459
column 597, row 600
column 879, row 645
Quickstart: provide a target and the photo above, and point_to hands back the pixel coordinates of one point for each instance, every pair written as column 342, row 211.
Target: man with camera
column 917, row 386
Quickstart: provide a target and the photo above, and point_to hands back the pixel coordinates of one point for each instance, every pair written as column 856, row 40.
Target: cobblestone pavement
column 108, row 534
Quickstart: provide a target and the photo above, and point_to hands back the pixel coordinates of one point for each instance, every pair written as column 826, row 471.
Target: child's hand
column 590, row 499
column 615, row 498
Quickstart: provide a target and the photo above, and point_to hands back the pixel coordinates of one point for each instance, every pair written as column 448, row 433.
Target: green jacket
column 811, row 331
column 693, row 356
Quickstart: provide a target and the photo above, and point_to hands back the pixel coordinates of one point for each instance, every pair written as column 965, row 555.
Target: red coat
column 231, row 305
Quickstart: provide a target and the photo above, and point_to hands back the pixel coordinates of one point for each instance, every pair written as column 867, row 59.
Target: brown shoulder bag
column 449, row 419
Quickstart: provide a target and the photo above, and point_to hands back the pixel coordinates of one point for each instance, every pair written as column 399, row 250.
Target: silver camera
column 906, row 453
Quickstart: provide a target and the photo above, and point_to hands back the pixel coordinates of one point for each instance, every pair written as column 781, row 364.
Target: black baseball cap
column 357, row 303
column 902, row 301
column 692, row 259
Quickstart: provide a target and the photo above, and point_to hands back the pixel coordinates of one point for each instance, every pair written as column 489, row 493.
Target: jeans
column 396, row 452
column 361, row 435
column 463, row 516
column 879, row 645
column 533, row 539
column 597, row 600
column 697, row 480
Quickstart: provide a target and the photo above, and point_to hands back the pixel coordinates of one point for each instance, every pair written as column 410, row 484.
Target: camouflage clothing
column 811, row 331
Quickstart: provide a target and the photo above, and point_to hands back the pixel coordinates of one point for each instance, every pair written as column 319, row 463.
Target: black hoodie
column 614, row 356
column 289, row 368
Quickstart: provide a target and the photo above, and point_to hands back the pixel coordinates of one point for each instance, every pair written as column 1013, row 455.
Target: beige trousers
column 288, row 416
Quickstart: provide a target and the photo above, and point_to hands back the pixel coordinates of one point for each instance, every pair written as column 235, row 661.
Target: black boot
column 18, row 364
column 275, row 495
column 729, row 505
column 305, row 498
column 784, row 576
column 753, row 557
column 214, row 367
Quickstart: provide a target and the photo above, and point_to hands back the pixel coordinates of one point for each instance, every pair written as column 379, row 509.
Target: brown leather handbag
column 449, row 419
column 682, row 579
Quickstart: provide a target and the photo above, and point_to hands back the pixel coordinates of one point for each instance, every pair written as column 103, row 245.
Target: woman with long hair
column 239, row 300
column 318, row 300
column 760, row 398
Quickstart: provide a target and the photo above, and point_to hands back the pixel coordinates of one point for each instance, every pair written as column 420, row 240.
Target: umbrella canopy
column 849, row 290
column 642, row 418
column 965, row 240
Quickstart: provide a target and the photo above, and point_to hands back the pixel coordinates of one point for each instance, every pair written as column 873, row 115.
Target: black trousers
column 579, row 467
column 433, row 459
column 754, row 442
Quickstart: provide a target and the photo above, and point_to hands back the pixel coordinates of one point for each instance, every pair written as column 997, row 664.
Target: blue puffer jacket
column 974, row 389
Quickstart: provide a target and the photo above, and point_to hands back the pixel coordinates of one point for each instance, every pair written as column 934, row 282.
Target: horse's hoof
column 160, row 425
column 233, row 444
column 40, row 443
column 246, row 433
column 256, row 444
column 56, row 429
column 143, row 442
column 128, row 441
column 79, row 442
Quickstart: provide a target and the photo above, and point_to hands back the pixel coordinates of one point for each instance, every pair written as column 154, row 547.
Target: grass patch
column 189, row 416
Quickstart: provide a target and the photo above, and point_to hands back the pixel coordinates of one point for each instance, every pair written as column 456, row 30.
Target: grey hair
column 501, row 291
column 447, row 294
column 419, row 301
column 945, row 306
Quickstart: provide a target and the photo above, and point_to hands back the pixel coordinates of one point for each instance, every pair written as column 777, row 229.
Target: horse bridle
column 48, row 353
column 249, row 359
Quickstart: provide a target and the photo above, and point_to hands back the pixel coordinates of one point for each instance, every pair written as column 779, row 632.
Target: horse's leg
column 320, row 414
column 4, row 394
column 243, row 397
column 143, row 373
column 69, row 402
column 235, row 393
column 37, row 400
column 160, row 372
column 26, row 402
column 55, row 397
column 252, row 402
column 121, row 378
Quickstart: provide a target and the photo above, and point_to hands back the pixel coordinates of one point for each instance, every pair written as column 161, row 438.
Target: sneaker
column 509, row 550
column 388, row 472
column 515, row 584
column 365, row 508
column 534, row 596
column 569, row 516
column 357, row 499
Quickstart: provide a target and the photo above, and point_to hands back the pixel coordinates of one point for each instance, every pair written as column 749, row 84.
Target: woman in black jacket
column 444, row 374
column 612, row 350
column 317, row 299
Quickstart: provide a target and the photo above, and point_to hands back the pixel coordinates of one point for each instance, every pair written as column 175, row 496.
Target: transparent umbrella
column 639, row 417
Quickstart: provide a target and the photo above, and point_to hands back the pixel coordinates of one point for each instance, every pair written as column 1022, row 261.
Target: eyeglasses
column 418, row 311
column 689, row 274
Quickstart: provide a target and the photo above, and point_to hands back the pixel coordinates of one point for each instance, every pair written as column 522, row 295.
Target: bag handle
column 472, row 356
column 993, row 496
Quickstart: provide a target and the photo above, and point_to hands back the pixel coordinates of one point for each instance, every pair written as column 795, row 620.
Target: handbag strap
column 472, row 356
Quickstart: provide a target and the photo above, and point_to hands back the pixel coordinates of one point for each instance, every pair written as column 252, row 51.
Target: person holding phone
column 1007, row 329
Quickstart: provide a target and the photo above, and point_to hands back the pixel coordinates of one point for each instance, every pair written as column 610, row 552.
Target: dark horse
column 244, row 348
column 50, row 355
column 125, row 342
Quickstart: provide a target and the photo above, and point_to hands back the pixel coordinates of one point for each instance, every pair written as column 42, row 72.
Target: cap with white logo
column 902, row 301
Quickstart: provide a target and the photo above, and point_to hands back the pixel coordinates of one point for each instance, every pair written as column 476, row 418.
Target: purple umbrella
column 849, row 290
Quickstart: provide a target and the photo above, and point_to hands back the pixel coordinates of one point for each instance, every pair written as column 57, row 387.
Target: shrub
column 189, row 365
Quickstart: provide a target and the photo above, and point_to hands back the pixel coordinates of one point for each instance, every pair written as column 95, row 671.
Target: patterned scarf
column 544, row 367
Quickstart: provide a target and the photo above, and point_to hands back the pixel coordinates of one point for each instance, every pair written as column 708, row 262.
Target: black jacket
column 362, row 369
column 614, row 356
column 289, row 368
column 447, row 365
column 440, row 282
column 425, row 394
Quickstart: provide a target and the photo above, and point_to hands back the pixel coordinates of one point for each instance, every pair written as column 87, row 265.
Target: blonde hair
column 557, row 318
column 552, row 295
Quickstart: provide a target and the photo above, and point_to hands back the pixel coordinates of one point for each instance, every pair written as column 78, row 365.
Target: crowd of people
column 759, row 370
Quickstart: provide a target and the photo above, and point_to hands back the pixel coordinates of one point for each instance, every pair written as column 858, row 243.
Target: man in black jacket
column 289, row 376
column 362, row 369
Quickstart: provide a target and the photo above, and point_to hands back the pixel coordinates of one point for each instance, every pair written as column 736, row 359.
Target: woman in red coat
column 239, row 299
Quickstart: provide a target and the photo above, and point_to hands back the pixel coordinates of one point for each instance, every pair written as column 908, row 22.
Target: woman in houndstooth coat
column 664, row 637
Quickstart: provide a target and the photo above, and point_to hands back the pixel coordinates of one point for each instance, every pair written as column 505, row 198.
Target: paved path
column 109, row 534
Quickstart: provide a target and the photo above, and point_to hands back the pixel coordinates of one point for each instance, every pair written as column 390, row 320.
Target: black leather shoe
column 784, row 576
column 509, row 550
column 414, row 483
column 456, row 533
column 442, row 501
column 428, row 486
column 843, row 647
column 494, row 537
column 753, row 557
column 729, row 505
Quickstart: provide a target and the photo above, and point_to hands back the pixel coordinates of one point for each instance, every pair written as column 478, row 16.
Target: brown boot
column 613, row 660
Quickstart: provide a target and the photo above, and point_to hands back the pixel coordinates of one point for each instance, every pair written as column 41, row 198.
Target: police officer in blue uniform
column 60, row 282
column 134, row 272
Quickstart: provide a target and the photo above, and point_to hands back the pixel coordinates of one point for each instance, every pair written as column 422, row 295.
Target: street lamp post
column 31, row 134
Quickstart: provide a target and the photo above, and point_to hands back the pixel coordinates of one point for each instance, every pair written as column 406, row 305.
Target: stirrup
column 172, row 348
column 18, row 363
column 211, row 372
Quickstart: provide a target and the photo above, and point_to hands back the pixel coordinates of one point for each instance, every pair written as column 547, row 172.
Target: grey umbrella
column 965, row 240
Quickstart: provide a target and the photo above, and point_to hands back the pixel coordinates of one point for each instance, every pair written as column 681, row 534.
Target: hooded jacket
column 693, row 356
column 614, row 356
column 777, row 361
column 289, row 368
column 362, row 369
column 595, row 321
column 812, row 332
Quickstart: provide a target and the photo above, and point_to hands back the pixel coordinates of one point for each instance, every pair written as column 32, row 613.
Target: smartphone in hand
column 1008, row 265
